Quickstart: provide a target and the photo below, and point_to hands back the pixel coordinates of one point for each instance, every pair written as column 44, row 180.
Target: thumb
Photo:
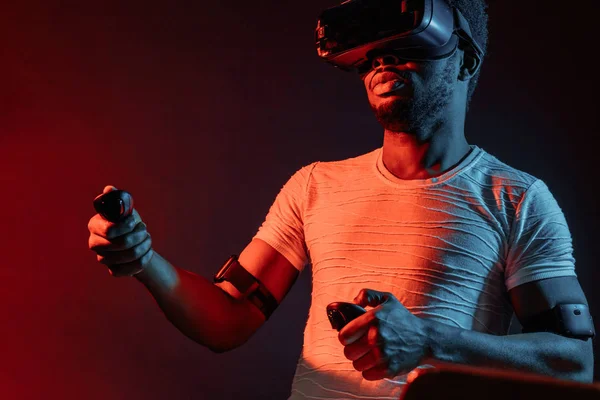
column 371, row 298
column 108, row 189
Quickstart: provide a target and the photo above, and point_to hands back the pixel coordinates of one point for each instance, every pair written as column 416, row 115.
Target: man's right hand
column 124, row 247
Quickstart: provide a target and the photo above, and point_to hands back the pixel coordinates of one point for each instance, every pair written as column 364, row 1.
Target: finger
column 356, row 328
column 378, row 372
column 370, row 360
column 362, row 346
column 100, row 226
column 372, row 298
column 132, row 268
column 99, row 244
column 110, row 258
column 108, row 188
column 127, row 225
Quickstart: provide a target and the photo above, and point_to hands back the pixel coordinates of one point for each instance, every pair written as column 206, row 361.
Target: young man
column 440, row 241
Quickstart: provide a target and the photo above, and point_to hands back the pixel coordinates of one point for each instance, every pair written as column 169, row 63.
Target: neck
column 407, row 157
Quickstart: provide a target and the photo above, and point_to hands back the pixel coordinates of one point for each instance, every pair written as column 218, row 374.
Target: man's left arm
column 389, row 340
column 541, row 352
column 539, row 274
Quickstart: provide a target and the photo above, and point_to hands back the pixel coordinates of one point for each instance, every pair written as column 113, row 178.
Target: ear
column 469, row 65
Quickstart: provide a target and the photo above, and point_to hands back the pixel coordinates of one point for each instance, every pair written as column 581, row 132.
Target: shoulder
column 511, row 185
column 505, row 181
column 497, row 173
column 343, row 170
column 323, row 174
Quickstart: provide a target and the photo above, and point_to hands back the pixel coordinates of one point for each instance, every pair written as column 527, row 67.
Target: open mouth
column 389, row 87
column 387, row 83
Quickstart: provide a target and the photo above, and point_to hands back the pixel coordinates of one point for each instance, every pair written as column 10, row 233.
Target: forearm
column 540, row 352
column 198, row 308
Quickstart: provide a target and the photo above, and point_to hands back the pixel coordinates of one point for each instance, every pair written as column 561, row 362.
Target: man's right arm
column 216, row 315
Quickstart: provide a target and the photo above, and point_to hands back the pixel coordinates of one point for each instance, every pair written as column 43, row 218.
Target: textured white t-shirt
column 449, row 248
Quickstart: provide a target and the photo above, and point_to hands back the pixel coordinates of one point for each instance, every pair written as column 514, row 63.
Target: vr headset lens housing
column 351, row 34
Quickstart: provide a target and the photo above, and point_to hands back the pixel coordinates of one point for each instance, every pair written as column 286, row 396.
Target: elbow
column 587, row 376
column 585, row 359
column 220, row 349
column 585, row 373
column 582, row 372
column 216, row 343
column 576, row 361
column 216, row 348
column 219, row 346
column 225, row 346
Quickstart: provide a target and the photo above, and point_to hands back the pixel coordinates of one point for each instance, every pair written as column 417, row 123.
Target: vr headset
column 348, row 36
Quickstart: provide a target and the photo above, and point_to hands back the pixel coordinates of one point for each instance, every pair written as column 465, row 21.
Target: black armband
column 570, row 320
column 250, row 287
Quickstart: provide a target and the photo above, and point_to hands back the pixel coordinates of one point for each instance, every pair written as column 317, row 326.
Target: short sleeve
column 283, row 228
column 540, row 244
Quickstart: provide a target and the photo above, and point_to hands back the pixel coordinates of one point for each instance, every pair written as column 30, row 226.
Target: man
column 439, row 240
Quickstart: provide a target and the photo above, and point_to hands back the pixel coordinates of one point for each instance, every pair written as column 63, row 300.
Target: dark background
column 203, row 110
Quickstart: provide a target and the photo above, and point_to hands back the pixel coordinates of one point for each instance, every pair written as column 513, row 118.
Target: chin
column 398, row 126
column 397, row 114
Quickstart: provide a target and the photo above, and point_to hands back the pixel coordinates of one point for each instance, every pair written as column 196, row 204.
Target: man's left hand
column 385, row 341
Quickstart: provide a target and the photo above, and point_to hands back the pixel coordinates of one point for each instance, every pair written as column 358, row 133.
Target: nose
column 383, row 60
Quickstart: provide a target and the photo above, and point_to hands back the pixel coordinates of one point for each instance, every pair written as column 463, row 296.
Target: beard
column 424, row 109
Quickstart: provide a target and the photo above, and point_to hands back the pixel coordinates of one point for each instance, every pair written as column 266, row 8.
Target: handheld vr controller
column 114, row 206
column 340, row 313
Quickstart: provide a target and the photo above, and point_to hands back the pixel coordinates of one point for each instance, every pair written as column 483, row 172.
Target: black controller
column 114, row 206
column 340, row 313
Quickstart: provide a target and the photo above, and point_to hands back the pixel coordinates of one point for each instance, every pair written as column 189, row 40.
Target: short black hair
column 475, row 12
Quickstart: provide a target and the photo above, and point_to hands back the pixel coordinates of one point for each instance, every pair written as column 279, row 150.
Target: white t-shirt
column 449, row 248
